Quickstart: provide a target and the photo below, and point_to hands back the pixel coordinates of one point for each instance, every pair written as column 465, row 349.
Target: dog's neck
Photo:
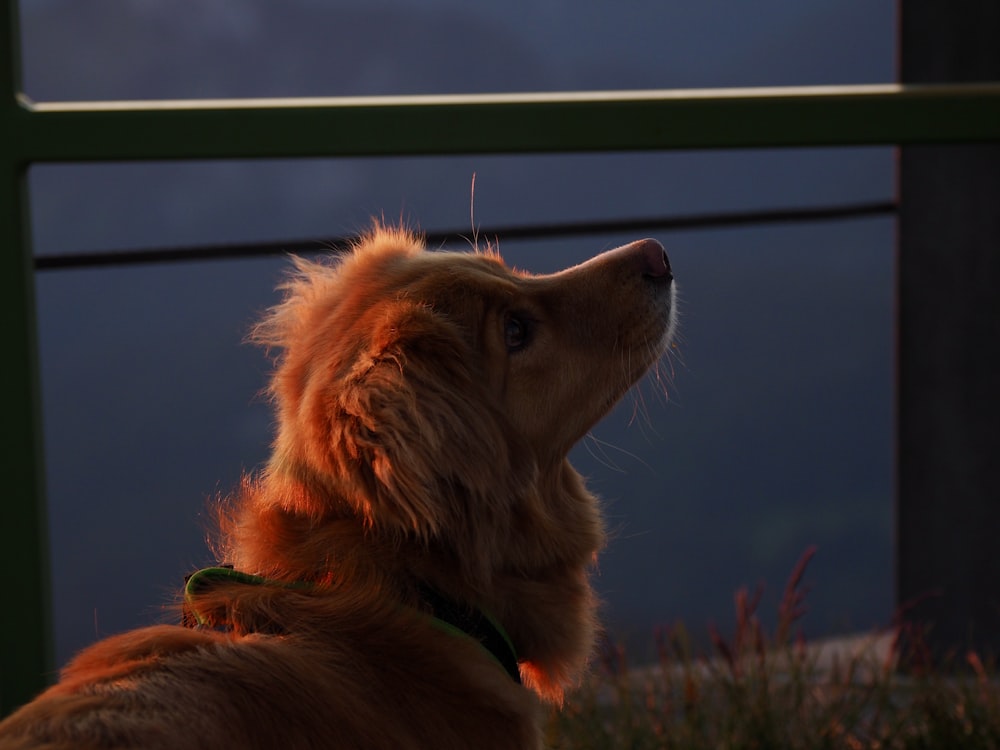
column 550, row 614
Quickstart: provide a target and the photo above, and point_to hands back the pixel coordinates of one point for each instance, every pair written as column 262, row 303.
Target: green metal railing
column 502, row 123
column 531, row 123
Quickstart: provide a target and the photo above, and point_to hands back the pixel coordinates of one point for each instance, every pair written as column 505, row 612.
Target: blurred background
column 770, row 433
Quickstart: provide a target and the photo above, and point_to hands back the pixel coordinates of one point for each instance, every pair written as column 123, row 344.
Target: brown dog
column 418, row 544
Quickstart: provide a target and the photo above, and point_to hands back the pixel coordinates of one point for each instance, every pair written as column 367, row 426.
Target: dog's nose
column 653, row 259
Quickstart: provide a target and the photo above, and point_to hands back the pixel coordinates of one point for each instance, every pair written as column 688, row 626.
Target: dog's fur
column 426, row 402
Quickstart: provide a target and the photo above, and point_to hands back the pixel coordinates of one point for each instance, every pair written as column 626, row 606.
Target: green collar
column 449, row 616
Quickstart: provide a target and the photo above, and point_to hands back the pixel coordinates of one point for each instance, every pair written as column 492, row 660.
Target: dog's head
column 435, row 395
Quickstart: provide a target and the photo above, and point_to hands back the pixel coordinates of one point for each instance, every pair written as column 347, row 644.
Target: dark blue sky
column 777, row 431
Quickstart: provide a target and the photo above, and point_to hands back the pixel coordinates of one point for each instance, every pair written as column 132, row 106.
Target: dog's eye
column 516, row 332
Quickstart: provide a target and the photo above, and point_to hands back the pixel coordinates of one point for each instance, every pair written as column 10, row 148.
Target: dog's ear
column 428, row 447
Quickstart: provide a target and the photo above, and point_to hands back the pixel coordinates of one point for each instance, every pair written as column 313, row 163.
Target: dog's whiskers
column 602, row 457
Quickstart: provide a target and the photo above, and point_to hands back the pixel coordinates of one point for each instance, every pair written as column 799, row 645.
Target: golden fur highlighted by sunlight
column 425, row 402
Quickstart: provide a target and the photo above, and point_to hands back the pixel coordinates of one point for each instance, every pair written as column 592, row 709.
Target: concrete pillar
column 948, row 306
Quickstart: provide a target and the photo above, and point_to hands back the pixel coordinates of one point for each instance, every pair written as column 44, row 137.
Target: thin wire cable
column 244, row 250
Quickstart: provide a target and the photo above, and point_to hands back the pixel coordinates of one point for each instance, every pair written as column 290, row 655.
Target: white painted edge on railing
column 554, row 97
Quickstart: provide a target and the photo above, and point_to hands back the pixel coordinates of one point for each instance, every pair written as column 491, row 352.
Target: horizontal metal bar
column 506, row 123
column 557, row 230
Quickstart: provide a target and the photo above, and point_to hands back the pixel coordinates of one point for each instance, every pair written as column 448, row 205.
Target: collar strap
column 475, row 624
column 204, row 579
column 448, row 616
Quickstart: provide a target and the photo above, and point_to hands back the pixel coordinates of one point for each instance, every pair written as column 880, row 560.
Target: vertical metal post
column 948, row 296
column 25, row 626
